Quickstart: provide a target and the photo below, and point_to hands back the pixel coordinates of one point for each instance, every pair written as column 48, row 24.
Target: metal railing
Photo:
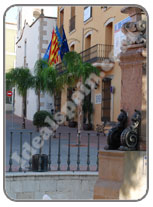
column 59, row 68
column 66, row 152
column 96, row 53
column 72, row 24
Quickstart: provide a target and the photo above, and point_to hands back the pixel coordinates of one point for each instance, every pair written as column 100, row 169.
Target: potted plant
column 39, row 118
column 40, row 161
column 87, row 112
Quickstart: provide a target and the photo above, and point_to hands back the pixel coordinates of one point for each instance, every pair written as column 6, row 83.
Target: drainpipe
column 112, row 102
column 112, row 107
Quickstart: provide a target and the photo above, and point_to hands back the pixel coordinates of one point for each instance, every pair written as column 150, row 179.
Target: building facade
column 90, row 31
column 10, row 47
column 32, row 42
column 10, row 53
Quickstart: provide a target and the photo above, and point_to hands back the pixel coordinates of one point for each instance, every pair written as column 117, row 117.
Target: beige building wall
column 96, row 24
column 101, row 33
column 10, row 51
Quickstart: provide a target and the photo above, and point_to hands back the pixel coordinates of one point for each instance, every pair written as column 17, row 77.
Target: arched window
column 108, row 35
column 72, row 46
column 87, row 48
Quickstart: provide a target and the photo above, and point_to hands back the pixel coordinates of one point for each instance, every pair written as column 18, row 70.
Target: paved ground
column 54, row 145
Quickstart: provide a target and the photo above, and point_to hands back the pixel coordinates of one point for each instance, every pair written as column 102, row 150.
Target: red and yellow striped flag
column 53, row 55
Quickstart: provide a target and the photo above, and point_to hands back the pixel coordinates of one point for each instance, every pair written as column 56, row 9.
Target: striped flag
column 53, row 55
column 58, row 37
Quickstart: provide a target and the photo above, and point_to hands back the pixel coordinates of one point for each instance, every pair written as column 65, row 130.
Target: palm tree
column 9, row 81
column 77, row 70
column 53, row 82
column 74, row 70
column 39, row 86
column 23, row 80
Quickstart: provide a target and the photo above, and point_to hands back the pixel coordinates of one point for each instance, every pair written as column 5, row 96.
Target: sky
column 11, row 14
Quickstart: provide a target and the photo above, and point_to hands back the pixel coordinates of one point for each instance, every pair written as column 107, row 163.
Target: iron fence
column 66, row 152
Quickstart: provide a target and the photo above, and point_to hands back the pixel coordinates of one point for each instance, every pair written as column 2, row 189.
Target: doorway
column 87, row 48
column 108, row 38
column 106, row 99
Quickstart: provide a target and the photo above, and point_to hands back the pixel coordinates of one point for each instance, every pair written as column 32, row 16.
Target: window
column 86, row 55
column 61, row 17
column 108, row 38
column 72, row 47
column 72, row 20
column 61, row 22
column 72, row 11
column 88, row 42
column 87, row 13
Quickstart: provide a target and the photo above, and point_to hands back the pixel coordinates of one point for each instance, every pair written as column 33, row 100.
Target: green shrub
column 39, row 118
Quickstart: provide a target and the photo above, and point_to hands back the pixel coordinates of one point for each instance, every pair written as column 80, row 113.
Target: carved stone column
column 120, row 176
column 131, row 63
column 143, row 135
column 133, row 70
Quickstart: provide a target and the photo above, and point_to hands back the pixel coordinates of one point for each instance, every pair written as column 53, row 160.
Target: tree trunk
column 23, row 111
column 80, row 114
column 38, row 100
column 79, row 117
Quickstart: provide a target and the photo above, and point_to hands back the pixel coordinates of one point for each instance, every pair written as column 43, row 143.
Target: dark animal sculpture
column 113, row 137
column 130, row 135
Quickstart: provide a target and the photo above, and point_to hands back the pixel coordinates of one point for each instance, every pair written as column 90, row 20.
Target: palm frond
column 22, row 79
column 76, row 68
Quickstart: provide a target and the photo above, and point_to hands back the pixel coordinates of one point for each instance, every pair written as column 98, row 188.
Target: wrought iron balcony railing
column 96, row 53
column 72, row 24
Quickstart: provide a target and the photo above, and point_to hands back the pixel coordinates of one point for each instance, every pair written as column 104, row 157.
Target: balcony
column 94, row 55
column 72, row 24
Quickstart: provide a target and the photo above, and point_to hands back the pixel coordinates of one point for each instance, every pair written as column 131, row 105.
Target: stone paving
column 64, row 130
